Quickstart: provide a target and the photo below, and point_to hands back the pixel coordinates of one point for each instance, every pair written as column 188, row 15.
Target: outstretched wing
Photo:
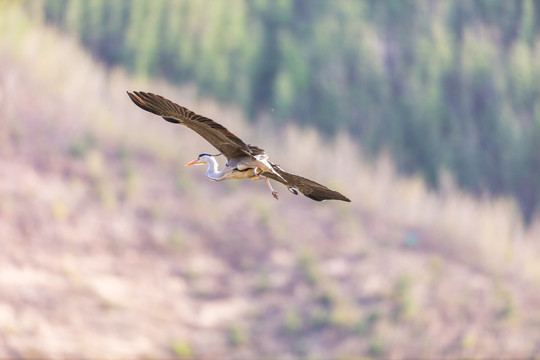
column 222, row 139
column 309, row 188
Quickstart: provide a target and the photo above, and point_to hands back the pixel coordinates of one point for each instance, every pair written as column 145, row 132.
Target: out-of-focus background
column 425, row 113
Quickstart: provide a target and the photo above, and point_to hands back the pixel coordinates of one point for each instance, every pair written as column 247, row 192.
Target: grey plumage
column 240, row 156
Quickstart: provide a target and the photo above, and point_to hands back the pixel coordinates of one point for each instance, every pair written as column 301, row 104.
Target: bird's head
column 201, row 159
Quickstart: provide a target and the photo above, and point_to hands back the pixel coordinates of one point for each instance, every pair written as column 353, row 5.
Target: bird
column 244, row 161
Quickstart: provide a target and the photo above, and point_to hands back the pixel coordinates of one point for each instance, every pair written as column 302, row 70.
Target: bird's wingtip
column 134, row 93
column 343, row 198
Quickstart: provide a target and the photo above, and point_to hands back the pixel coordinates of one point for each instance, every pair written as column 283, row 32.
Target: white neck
column 212, row 172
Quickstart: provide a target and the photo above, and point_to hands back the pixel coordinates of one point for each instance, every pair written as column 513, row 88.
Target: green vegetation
column 177, row 240
column 451, row 85
column 366, row 325
column 403, row 307
column 237, row 336
column 182, row 349
column 376, row 348
column 293, row 321
column 308, row 266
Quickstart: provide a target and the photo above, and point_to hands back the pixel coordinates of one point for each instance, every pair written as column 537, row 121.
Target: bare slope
column 110, row 248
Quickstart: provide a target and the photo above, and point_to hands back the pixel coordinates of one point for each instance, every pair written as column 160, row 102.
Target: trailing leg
column 274, row 193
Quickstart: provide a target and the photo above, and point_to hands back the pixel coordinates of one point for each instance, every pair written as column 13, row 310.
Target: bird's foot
column 274, row 193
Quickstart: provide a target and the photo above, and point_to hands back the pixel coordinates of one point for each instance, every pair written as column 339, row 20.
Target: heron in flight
column 244, row 161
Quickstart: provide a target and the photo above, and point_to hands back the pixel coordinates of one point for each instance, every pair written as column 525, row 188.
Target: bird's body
column 237, row 169
column 243, row 161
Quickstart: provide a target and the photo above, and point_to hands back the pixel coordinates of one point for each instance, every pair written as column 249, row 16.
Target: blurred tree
column 442, row 84
column 74, row 16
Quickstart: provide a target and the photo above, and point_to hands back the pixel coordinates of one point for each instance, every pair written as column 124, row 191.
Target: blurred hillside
column 444, row 85
column 110, row 248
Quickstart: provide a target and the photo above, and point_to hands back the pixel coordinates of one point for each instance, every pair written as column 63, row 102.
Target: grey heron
column 244, row 161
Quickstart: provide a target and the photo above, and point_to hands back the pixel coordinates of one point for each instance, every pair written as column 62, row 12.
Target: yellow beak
column 194, row 162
